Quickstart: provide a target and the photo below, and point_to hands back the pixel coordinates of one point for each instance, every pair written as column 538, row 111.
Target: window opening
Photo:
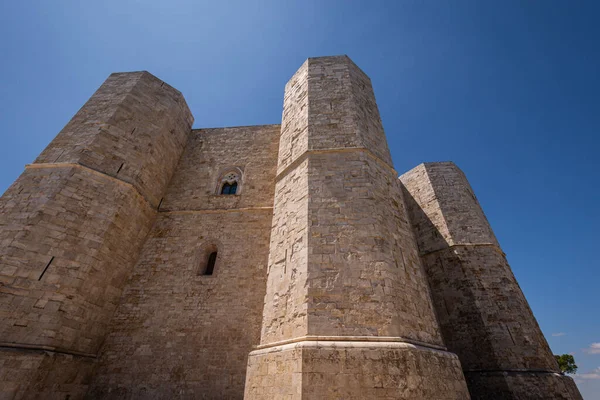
column 210, row 265
column 230, row 183
column 229, row 188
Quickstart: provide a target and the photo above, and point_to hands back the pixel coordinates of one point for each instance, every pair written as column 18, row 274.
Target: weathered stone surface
column 72, row 225
column 37, row 374
column 178, row 333
column 318, row 289
column 252, row 150
column 134, row 127
column 484, row 316
column 521, row 385
column 351, row 370
column 343, row 261
column 70, row 235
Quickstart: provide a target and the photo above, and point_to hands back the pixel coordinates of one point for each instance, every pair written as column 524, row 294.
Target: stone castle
column 144, row 259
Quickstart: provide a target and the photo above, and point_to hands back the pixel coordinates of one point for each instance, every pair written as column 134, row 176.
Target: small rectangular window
column 210, row 265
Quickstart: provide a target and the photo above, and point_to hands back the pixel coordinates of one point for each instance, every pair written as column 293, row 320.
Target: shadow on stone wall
column 484, row 316
column 456, row 293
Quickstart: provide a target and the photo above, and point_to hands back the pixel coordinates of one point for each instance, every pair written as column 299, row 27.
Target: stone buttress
column 483, row 314
column 71, row 227
column 347, row 311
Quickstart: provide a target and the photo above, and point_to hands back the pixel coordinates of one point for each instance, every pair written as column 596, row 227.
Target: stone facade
column 178, row 333
column 125, row 272
column 483, row 314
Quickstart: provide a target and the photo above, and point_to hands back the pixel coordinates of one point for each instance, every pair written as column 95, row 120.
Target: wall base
column 39, row 374
column 521, row 385
column 354, row 370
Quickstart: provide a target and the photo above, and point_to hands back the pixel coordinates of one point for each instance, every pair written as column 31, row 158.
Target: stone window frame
column 225, row 176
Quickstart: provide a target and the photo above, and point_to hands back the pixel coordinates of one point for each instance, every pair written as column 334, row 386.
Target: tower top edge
column 144, row 74
column 340, row 56
column 430, row 164
column 315, row 61
column 434, row 163
column 237, row 127
column 342, row 59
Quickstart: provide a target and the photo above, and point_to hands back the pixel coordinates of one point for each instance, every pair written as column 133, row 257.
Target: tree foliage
column 566, row 363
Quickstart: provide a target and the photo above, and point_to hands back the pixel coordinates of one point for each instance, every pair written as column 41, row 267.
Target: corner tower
column 347, row 309
column 484, row 316
column 71, row 227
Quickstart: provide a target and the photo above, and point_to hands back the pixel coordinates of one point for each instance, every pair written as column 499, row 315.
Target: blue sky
column 509, row 90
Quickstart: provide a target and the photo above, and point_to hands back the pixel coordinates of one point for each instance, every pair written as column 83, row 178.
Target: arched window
column 230, row 182
column 229, row 188
column 210, row 264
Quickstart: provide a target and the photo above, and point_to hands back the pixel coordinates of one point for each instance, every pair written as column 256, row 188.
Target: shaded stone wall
column 483, row 314
column 39, row 374
column 179, row 334
column 72, row 224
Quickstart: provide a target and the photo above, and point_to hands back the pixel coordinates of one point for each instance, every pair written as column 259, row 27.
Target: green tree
column 566, row 363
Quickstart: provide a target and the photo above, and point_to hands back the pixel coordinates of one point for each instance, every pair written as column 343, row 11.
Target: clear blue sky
column 509, row 90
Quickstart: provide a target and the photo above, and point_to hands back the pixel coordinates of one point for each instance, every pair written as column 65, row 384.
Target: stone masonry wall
column 73, row 223
column 356, row 371
column 350, row 370
column 134, row 127
column 39, row 374
column 293, row 140
column 364, row 273
column 343, row 260
column 67, row 305
column 275, row 374
column 342, row 112
column 177, row 333
column 211, row 152
column 483, row 314
column 285, row 312
column 344, row 267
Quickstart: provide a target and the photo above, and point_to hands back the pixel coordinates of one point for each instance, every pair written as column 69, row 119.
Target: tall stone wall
column 71, row 227
column 484, row 317
column 177, row 333
column 346, row 297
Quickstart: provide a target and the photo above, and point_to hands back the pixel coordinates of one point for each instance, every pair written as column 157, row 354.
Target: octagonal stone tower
column 484, row 316
column 71, row 227
column 347, row 310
